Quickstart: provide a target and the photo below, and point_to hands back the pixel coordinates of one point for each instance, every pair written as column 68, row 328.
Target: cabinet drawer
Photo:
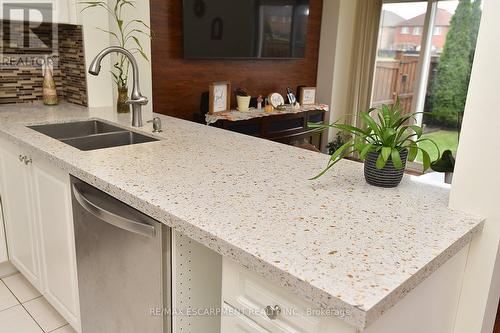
column 233, row 322
column 251, row 294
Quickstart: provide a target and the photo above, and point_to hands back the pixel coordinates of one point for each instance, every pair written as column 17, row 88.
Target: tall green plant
column 126, row 34
column 388, row 133
column 453, row 72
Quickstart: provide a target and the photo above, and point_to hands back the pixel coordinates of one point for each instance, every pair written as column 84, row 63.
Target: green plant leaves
column 365, row 150
column 396, row 159
column 412, row 151
column 380, row 163
column 389, row 131
column 426, row 160
column 385, row 153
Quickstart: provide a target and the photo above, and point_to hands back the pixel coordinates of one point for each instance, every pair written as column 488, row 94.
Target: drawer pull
column 22, row 158
column 272, row 312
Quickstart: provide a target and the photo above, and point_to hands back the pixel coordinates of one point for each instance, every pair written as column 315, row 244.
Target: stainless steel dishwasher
column 123, row 263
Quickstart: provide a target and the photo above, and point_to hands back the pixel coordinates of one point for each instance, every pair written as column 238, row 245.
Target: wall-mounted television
column 246, row 29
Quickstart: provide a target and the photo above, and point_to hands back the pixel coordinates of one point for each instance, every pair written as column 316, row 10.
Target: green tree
column 453, row 73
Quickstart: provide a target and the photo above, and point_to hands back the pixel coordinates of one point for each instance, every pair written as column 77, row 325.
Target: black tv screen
column 245, row 28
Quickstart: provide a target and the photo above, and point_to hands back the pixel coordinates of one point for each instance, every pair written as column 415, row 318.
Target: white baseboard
column 6, row 269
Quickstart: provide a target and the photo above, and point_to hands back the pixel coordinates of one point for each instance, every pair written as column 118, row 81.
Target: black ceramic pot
column 388, row 176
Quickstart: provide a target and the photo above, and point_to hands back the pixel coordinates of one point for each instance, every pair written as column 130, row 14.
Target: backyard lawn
column 444, row 139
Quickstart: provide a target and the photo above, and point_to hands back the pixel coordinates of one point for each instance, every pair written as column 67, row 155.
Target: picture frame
column 307, row 95
column 219, row 97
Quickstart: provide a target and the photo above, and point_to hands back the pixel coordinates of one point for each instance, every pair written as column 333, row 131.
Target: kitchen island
column 337, row 243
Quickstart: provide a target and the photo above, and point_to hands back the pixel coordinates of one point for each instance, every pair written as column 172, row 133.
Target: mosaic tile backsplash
column 23, row 50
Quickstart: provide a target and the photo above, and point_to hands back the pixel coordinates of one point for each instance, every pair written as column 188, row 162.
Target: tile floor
column 24, row 310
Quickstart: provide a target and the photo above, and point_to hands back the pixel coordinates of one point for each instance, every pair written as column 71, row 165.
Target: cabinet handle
column 272, row 312
column 27, row 160
column 22, row 158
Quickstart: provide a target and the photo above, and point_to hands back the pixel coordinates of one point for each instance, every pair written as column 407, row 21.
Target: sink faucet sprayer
column 137, row 100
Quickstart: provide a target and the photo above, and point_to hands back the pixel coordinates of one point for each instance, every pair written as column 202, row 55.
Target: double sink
column 92, row 134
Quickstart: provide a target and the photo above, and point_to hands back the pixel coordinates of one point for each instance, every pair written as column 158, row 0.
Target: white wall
column 101, row 89
column 476, row 184
column 335, row 55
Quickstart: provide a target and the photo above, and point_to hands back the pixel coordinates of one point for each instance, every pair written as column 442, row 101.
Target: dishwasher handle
column 111, row 218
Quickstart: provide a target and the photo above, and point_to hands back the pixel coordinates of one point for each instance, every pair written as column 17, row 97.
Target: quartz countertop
column 337, row 242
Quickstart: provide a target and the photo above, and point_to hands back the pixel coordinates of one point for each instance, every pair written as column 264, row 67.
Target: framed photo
column 219, row 99
column 307, row 95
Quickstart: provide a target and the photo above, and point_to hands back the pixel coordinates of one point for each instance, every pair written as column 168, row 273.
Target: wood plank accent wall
column 178, row 83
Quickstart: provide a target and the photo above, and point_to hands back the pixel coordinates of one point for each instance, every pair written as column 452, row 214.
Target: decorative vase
column 49, row 88
column 388, row 176
column 121, row 106
column 243, row 103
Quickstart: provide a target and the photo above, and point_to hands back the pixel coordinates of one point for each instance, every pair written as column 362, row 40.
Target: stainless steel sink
column 76, row 129
column 108, row 140
column 92, row 134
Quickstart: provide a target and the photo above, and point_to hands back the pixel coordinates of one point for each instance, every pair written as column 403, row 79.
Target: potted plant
column 445, row 164
column 126, row 34
column 384, row 143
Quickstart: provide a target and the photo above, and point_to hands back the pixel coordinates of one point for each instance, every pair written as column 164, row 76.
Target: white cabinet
column 36, row 199
column 430, row 307
column 268, row 307
column 3, row 242
column 57, row 246
column 18, row 212
column 235, row 322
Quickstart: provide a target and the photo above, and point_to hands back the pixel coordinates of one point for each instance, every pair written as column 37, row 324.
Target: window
column 417, row 74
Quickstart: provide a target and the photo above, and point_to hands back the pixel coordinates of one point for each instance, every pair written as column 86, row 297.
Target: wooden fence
column 395, row 78
column 398, row 78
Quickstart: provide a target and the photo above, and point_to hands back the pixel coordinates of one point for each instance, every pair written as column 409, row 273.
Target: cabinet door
column 57, row 243
column 3, row 242
column 18, row 212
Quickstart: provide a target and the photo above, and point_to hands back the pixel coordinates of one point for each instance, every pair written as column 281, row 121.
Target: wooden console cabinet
column 290, row 128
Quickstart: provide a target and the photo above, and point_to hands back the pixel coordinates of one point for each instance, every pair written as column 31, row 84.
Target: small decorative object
column 307, row 95
column 384, row 145
column 445, row 164
column 49, row 86
column 259, row 102
column 291, row 97
column 219, row 98
column 243, row 99
column 268, row 108
column 275, row 99
column 124, row 33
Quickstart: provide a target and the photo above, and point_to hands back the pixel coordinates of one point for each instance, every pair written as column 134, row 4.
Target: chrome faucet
column 137, row 100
